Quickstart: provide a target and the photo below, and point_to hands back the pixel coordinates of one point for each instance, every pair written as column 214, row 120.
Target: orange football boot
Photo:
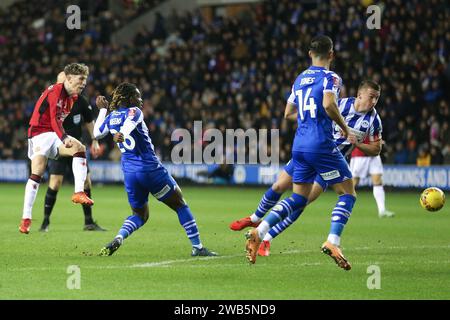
column 82, row 198
column 252, row 245
column 336, row 253
column 264, row 249
column 240, row 224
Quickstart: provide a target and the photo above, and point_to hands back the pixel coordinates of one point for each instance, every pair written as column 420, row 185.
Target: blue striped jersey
column 314, row 132
column 138, row 153
column 363, row 125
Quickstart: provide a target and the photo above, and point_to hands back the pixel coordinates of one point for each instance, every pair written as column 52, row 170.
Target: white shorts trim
column 362, row 167
column 44, row 144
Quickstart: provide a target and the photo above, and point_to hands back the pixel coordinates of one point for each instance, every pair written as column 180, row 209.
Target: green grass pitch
column 411, row 250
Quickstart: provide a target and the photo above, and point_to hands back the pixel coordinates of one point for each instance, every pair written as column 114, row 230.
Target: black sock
column 87, row 210
column 50, row 199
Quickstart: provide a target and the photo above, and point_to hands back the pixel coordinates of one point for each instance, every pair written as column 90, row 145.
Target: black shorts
column 61, row 166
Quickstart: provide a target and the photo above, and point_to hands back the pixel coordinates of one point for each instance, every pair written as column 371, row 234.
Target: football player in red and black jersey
column 48, row 140
column 80, row 114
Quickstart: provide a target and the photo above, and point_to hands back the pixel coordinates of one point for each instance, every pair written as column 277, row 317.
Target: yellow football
column 432, row 199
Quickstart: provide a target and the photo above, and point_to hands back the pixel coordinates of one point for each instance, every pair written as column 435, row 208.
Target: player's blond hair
column 76, row 69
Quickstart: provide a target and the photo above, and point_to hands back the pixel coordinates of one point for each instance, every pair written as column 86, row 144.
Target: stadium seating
column 236, row 72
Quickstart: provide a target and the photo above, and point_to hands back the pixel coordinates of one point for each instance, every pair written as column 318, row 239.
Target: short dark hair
column 76, row 69
column 369, row 84
column 123, row 95
column 321, row 46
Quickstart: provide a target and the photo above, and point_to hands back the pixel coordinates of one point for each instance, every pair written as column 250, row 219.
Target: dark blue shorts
column 324, row 168
column 139, row 184
column 289, row 168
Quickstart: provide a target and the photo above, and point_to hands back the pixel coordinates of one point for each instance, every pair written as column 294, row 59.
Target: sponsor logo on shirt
column 360, row 135
column 114, row 121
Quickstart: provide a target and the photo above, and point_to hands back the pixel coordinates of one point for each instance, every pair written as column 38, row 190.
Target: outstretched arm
column 100, row 127
column 95, row 147
column 371, row 148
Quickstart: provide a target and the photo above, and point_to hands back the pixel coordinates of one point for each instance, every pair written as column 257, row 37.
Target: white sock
column 334, row 239
column 120, row 238
column 378, row 193
column 263, row 228
column 254, row 218
column 268, row 237
column 31, row 190
column 79, row 169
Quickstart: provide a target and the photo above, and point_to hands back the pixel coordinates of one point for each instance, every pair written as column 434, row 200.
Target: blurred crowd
column 237, row 72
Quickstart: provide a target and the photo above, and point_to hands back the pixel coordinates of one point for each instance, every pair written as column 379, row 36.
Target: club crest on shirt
column 364, row 124
column 76, row 119
column 336, row 81
column 131, row 113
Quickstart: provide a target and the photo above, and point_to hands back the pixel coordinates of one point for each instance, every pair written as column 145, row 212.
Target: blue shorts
column 330, row 167
column 289, row 168
column 139, row 184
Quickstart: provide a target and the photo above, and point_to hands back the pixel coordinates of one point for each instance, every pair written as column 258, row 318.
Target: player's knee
column 353, row 194
column 178, row 203
column 38, row 165
column 55, row 182
column 176, row 200
column 35, row 177
column 80, row 148
column 173, row 203
column 280, row 187
column 143, row 214
column 277, row 188
column 377, row 180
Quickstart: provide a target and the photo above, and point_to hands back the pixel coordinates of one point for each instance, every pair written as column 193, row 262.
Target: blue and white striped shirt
column 362, row 125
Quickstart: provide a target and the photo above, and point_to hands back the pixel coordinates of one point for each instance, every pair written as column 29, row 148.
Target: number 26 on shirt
column 128, row 143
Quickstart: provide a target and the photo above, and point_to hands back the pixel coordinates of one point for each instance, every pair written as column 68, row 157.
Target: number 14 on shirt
column 306, row 104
